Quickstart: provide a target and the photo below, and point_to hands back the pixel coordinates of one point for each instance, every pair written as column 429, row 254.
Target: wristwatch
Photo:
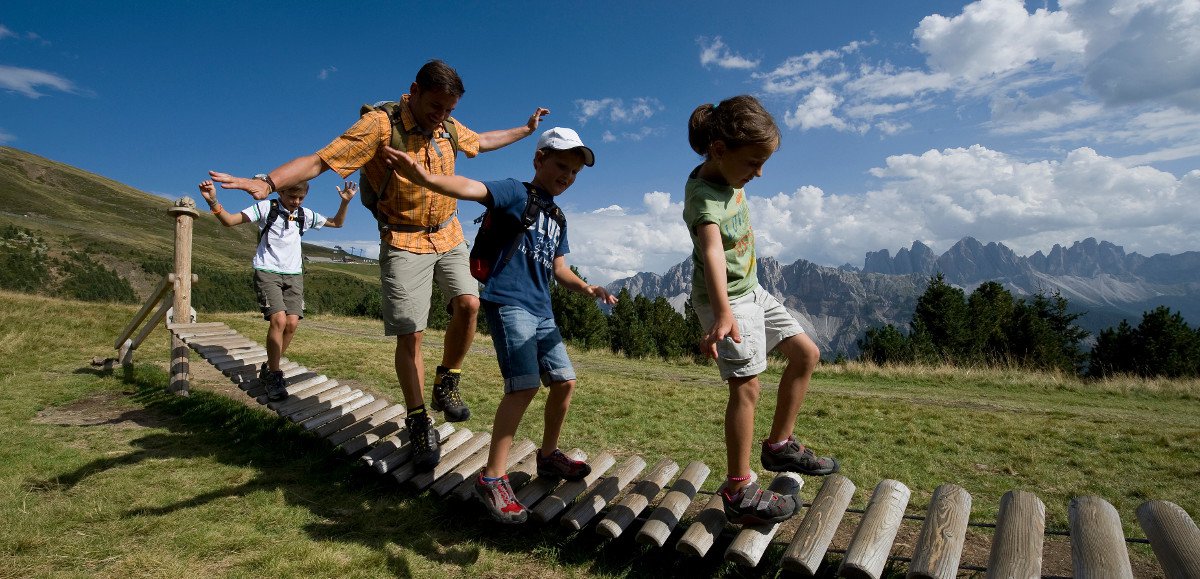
column 266, row 179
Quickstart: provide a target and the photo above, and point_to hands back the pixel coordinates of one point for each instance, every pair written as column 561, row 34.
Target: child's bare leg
column 504, row 428
column 739, row 427
column 557, row 405
column 289, row 332
column 275, row 343
column 802, row 355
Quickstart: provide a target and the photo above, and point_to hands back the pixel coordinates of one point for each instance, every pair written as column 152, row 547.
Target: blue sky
column 1029, row 124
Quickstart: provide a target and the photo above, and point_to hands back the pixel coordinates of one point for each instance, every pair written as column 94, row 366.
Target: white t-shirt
column 282, row 254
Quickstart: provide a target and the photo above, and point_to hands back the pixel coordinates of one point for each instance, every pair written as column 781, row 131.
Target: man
column 421, row 238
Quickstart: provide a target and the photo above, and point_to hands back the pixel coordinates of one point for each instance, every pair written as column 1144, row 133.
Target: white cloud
column 816, row 111
column 6, row 137
column 714, row 52
column 615, row 110
column 5, row 32
column 26, row 81
column 938, row 197
column 325, row 72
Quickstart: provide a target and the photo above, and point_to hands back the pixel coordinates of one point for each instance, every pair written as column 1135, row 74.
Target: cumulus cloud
column 615, row 110
column 714, row 52
column 938, row 197
column 27, row 81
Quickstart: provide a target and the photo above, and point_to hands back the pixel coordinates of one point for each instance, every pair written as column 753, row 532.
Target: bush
column 87, row 280
column 23, row 264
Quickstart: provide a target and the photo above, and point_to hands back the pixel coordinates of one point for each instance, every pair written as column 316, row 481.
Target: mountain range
column 837, row 305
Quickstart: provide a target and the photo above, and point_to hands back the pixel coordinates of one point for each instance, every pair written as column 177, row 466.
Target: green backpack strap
column 367, row 193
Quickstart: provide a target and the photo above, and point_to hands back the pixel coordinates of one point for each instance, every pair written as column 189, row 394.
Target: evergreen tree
column 989, row 311
column 579, row 317
column 940, row 325
column 886, row 345
column 1044, row 335
column 1161, row 345
column 626, row 333
column 693, row 332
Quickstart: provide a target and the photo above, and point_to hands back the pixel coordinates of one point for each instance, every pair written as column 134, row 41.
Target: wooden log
column 159, row 315
column 291, row 372
column 538, row 487
column 1097, row 540
column 398, row 449
column 451, row 461
column 184, row 212
column 520, row 467
column 204, row 333
column 752, row 541
column 337, row 412
column 807, row 549
column 549, row 507
column 465, row 471
column 939, row 548
column 1017, row 545
column 207, row 349
column 590, row 505
column 247, row 372
column 220, row 360
column 313, row 397
column 195, row 325
column 333, row 402
column 370, row 431
column 620, row 516
column 872, row 542
column 155, row 296
column 1173, row 536
column 250, row 359
column 663, row 519
column 351, row 418
column 408, row 470
column 299, row 387
column 699, row 537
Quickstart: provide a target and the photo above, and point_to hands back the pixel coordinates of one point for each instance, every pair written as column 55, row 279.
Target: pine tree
column 940, row 324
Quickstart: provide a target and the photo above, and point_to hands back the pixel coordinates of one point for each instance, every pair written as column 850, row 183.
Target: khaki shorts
column 407, row 281
column 763, row 323
column 279, row 292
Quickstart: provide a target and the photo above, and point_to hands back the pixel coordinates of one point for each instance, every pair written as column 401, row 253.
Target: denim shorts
column 763, row 323
column 529, row 348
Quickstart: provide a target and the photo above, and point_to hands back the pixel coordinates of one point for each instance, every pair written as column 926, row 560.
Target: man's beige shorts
column 407, row 281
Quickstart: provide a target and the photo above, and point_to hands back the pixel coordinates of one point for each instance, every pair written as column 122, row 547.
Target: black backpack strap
column 272, row 215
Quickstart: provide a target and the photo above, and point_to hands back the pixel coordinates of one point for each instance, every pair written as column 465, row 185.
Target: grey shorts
column 407, row 281
column 763, row 323
column 279, row 292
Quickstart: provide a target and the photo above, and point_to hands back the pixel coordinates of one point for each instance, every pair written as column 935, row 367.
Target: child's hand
column 722, row 327
column 404, row 164
column 601, row 294
column 349, row 192
column 536, row 118
column 208, row 191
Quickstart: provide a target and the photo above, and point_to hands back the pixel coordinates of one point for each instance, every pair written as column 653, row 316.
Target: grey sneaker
column 426, row 442
column 757, row 505
column 561, row 465
column 447, row 399
column 276, row 386
column 795, row 458
column 500, row 501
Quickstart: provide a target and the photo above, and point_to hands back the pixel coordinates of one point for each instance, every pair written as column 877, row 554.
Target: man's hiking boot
column 447, row 399
column 561, row 466
column 500, row 501
column 795, row 458
column 276, row 385
column 757, row 505
column 426, row 442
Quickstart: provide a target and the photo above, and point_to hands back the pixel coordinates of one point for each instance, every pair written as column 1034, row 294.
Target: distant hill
column 130, row 231
column 837, row 305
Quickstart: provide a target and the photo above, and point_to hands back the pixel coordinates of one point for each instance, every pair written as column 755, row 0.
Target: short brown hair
column 301, row 187
column 438, row 76
column 738, row 121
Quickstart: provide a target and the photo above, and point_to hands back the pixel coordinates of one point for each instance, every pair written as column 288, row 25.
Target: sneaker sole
column 753, row 520
column 466, row 413
column 578, row 477
column 819, row 472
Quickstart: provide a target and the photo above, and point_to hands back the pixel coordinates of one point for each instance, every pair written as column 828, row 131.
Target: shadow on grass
column 356, row 505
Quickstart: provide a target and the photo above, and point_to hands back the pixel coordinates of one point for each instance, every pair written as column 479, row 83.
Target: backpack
column 272, row 215
column 367, row 194
column 497, row 230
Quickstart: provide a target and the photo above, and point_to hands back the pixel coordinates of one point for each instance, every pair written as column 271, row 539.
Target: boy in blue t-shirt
column 516, row 300
column 279, row 265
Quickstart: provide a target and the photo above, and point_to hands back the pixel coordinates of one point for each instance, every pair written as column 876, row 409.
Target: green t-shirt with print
column 708, row 202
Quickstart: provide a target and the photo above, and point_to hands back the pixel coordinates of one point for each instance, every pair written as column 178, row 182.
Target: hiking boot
column 561, row 466
column 446, row 398
column 426, row 442
column 757, row 506
column 795, row 458
column 500, row 501
column 276, row 385
column 263, row 371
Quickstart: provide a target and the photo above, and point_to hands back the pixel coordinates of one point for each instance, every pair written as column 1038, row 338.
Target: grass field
column 104, row 475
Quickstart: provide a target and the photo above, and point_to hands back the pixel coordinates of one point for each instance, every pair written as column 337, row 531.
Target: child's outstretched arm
column 708, row 235
column 226, row 218
column 568, row 279
column 454, row 186
column 347, row 194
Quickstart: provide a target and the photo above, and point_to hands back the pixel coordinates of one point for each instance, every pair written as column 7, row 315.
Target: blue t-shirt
column 525, row 280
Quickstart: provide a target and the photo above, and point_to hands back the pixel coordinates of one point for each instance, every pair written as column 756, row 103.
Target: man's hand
column 257, row 189
column 536, row 118
column 349, row 192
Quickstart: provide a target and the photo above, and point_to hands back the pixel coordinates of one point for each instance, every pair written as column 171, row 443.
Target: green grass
column 205, row 486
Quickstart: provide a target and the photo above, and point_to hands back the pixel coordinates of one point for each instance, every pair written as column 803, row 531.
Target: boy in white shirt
column 279, row 265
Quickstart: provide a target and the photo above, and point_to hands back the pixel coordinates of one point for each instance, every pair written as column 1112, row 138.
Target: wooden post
column 184, row 212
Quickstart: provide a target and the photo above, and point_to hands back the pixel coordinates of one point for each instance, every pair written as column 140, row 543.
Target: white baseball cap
column 564, row 139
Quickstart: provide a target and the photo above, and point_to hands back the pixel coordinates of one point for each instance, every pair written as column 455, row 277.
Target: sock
column 738, row 495
column 775, row 446
column 444, row 370
column 490, row 478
